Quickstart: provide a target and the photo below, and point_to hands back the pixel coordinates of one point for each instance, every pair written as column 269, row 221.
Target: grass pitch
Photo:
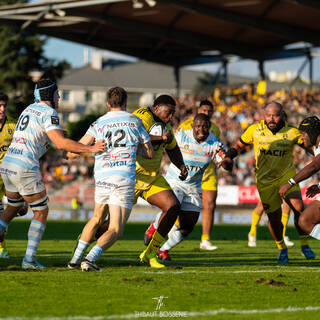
column 234, row 282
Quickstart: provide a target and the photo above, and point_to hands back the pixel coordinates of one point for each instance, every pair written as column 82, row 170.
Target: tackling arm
column 147, row 150
column 303, row 174
column 176, row 158
column 56, row 136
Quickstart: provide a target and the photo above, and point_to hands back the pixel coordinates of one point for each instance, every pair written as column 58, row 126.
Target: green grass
column 234, row 282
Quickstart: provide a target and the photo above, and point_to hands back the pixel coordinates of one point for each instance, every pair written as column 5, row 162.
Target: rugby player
column 310, row 218
column 209, row 182
column 7, row 126
column 20, row 168
column 114, row 174
column 256, row 216
column 199, row 148
column 273, row 139
column 150, row 184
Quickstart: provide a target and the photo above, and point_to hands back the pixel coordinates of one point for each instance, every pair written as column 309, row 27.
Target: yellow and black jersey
column 6, row 133
column 273, row 152
column 187, row 124
column 151, row 167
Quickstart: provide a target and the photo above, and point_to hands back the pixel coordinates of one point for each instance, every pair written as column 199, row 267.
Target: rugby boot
column 252, row 241
column 149, row 234
column 87, row 265
column 163, row 255
column 283, row 256
column 207, row 245
column 73, row 265
column 288, row 242
column 307, row 252
column 31, row 265
column 151, row 259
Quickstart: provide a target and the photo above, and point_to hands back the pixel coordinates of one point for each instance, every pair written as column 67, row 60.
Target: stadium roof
column 177, row 32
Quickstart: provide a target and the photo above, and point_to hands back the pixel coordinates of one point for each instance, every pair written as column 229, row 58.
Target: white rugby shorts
column 188, row 196
column 23, row 182
column 112, row 193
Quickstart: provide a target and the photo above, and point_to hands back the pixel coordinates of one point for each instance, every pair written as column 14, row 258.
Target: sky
column 74, row 54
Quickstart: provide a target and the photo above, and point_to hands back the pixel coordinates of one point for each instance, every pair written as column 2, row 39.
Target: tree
column 21, row 51
column 77, row 129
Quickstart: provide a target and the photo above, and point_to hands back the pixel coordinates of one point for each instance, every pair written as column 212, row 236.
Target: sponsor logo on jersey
column 13, row 150
column 275, row 153
column 193, row 168
column 117, row 125
column 186, row 149
column 117, row 156
column 209, row 154
column 20, row 140
column 115, row 164
column 54, row 120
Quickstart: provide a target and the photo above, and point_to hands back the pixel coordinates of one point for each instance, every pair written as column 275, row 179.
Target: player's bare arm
column 166, row 138
column 146, row 150
column 56, row 136
column 303, row 174
column 175, row 157
column 228, row 164
column 87, row 140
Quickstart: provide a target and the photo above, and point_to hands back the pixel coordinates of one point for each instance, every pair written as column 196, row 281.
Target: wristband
column 292, row 182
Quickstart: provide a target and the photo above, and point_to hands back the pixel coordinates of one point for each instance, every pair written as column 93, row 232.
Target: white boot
column 288, row 242
column 252, row 240
column 207, row 245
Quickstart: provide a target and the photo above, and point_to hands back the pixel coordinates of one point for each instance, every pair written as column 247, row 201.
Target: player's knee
column 38, row 205
column 186, row 231
column 97, row 220
column 115, row 232
column 16, row 203
column 209, row 205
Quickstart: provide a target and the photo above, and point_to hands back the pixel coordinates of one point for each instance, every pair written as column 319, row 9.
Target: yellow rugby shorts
column 269, row 192
column 158, row 185
column 209, row 179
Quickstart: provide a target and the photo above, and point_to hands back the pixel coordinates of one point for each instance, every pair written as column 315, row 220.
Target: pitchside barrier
column 234, row 205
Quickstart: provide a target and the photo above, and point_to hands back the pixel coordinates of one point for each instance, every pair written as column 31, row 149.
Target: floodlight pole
column 176, row 71
column 310, row 58
column 261, row 70
column 225, row 70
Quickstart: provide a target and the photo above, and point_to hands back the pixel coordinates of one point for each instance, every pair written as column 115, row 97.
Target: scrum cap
column 45, row 91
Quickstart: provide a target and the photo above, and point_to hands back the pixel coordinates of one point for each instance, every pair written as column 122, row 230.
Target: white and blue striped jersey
column 196, row 156
column 123, row 132
column 30, row 141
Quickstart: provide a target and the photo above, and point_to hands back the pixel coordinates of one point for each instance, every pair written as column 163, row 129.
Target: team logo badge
column 54, row 120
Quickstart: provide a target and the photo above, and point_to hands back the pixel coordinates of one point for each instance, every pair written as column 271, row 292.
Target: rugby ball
column 158, row 129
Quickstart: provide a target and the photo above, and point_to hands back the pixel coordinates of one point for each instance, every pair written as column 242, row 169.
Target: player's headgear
column 45, row 91
column 311, row 126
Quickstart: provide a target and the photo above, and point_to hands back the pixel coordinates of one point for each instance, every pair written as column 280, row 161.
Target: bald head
column 274, row 116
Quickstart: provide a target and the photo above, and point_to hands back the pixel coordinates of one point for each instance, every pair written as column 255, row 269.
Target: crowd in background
column 234, row 110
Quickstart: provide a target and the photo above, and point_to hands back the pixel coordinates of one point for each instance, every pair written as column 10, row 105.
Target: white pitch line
column 174, row 314
column 227, row 271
